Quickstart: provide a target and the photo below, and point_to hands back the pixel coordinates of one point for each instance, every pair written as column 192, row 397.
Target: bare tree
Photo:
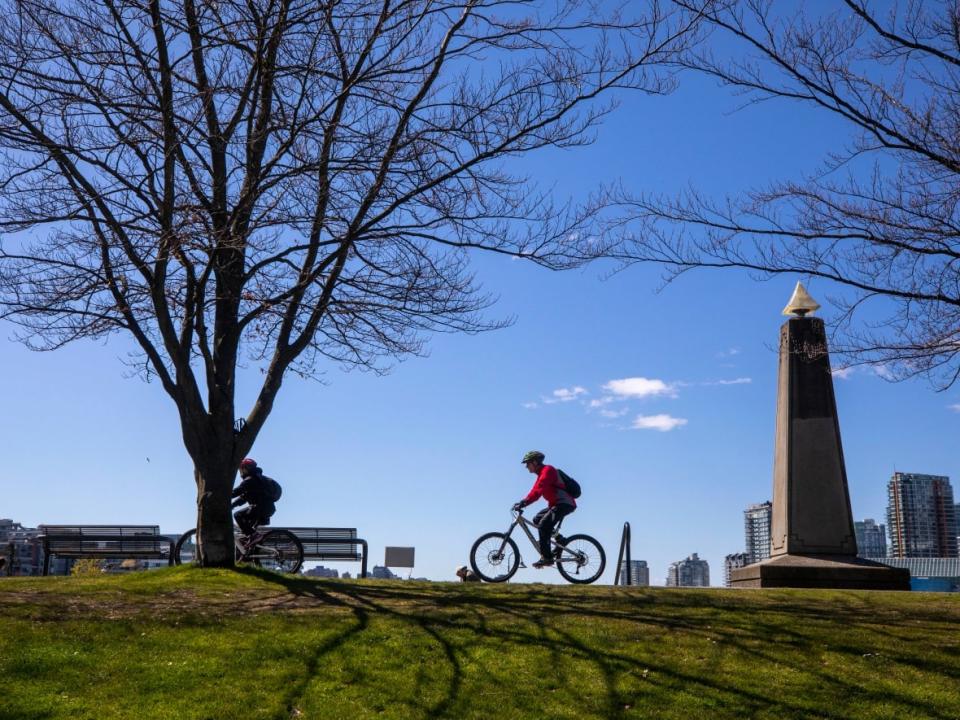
column 881, row 219
column 285, row 182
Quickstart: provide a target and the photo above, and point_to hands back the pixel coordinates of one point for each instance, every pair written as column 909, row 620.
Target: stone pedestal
column 820, row 571
column 813, row 543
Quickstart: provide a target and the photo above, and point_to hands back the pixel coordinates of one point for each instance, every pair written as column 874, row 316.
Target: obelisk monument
column 812, row 541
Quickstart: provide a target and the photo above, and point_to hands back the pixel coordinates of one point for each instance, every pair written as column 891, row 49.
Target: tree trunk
column 215, row 546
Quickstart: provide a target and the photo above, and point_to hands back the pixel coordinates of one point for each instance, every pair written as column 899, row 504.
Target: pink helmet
column 248, row 464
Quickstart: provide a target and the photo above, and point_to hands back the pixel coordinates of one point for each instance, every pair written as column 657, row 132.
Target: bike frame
column 251, row 551
column 244, row 549
column 525, row 525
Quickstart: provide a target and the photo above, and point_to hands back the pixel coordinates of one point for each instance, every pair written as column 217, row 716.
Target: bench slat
column 317, row 546
column 125, row 541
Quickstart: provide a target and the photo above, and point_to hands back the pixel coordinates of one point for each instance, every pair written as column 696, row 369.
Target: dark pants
column 251, row 516
column 546, row 520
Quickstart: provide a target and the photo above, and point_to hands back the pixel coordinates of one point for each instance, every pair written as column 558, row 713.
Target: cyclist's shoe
column 558, row 550
column 543, row 562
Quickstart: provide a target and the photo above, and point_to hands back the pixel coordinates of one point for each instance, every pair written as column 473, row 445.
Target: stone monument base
column 840, row 572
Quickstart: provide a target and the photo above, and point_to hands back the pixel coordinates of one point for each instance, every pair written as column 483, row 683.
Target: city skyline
column 920, row 508
column 871, row 541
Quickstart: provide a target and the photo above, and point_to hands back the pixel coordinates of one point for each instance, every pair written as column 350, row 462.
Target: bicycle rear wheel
column 185, row 551
column 582, row 560
column 495, row 557
column 279, row 550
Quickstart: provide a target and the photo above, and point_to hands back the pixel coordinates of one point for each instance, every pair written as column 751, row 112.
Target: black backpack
column 271, row 489
column 572, row 486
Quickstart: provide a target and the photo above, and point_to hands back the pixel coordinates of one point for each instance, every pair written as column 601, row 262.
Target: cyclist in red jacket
column 550, row 487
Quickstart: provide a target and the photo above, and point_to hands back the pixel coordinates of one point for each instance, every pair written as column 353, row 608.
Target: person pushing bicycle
column 560, row 503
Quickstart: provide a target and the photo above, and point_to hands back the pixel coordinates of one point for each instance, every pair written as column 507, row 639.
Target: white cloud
column 663, row 423
column 955, row 408
column 735, row 381
column 600, row 402
column 639, row 387
column 530, row 405
column 729, row 352
column 614, row 413
column 843, row 373
column 565, row 394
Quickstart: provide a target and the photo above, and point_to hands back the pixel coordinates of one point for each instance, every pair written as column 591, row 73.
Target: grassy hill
column 183, row 643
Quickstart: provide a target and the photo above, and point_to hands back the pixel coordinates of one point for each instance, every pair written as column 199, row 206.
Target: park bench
column 340, row 544
column 104, row 541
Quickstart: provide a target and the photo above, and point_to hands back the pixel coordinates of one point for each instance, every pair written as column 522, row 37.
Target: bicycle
column 495, row 556
column 278, row 550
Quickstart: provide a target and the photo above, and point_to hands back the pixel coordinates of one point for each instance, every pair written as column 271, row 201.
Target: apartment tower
column 756, row 531
column 871, row 538
column 921, row 516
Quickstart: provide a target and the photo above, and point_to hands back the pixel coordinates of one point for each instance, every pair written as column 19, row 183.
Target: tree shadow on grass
column 768, row 633
column 19, row 714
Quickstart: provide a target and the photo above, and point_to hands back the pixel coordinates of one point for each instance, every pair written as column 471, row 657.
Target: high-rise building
column 639, row 573
column 756, row 528
column 956, row 514
column 921, row 516
column 732, row 562
column 871, row 539
column 692, row 572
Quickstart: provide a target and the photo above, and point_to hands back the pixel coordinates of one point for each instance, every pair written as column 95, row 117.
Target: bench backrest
column 328, row 543
column 104, row 540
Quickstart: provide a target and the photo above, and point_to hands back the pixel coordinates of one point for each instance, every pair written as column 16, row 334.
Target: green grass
column 185, row 643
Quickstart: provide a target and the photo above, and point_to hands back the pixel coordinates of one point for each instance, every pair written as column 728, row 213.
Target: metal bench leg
column 363, row 560
column 46, row 563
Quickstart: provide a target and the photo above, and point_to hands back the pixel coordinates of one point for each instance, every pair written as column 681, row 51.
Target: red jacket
column 549, row 486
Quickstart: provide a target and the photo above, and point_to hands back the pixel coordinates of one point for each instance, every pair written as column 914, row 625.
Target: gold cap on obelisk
column 801, row 303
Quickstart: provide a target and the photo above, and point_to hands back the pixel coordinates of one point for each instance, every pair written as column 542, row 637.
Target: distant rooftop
column 926, row 567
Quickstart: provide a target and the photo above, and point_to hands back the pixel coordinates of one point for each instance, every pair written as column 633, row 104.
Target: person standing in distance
column 550, row 487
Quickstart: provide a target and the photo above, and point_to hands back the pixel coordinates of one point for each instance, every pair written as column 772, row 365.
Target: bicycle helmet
column 533, row 456
column 247, row 465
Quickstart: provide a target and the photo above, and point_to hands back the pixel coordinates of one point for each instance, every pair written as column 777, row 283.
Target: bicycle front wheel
column 495, row 557
column 279, row 550
column 185, row 551
column 582, row 560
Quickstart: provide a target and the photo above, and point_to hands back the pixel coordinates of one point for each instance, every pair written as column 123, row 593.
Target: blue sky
column 661, row 404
